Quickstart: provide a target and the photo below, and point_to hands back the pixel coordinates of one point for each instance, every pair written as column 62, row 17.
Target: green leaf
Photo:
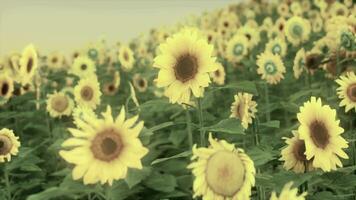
column 161, row 182
column 231, row 126
column 135, row 176
column 271, row 124
column 260, row 156
column 161, row 126
column 49, row 193
column 181, row 155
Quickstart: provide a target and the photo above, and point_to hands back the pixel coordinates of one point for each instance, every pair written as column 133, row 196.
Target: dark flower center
column 186, row 68
column 83, row 67
column 313, row 61
column 5, row 88
column 141, row 83
column 351, row 92
column 299, row 150
column 54, row 60
column 29, row 65
column 107, row 145
column 59, row 103
column 87, row 93
column 319, row 134
column 5, row 145
column 126, row 56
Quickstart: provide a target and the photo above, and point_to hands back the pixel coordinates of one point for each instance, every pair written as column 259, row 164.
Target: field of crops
column 255, row 100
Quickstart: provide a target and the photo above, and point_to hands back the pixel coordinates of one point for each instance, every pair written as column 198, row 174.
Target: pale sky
column 65, row 25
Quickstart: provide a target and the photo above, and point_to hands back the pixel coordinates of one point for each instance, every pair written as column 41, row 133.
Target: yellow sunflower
column 299, row 63
column 280, row 25
column 6, row 87
column 347, row 91
column 126, row 58
column 55, row 61
column 87, row 92
column 140, row 83
column 297, row 30
column 28, row 63
column 252, row 35
column 80, row 112
column 244, row 108
column 296, row 8
column 277, row 46
column 83, row 66
column 9, row 144
column 293, row 155
column 321, row 133
column 103, row 149
column 237, row 48
column 283, row 10
column 221, row 171
column 185, row 61
column 59, row 104
column 270, row 67
column 288, row 193
column 218, row 76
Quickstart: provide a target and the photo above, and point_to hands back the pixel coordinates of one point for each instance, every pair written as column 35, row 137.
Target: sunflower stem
column 260, row 189
column 200, row 115
column 189, row 128
column 7, row 184
column 268, row 114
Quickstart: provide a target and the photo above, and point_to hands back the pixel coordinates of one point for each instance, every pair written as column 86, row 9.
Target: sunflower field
column 256, row 100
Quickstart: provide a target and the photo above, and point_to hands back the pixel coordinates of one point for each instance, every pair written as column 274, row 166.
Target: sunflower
column 185, row 61
column 9, row 144
column 267, row 24
column 221, row 171
column 103, row 149
column 288, row 193
column 59, row 104
column 280, row 25
column 297, row 30
column 140, row 83
column 296, row 8
column 317, row 24
column 293, row 155
column 110, row 89
column 55, row 61
column 347, row 91
column 211, row 36
column 81, row 112
column 6, row 87
column 283, row 10
column 83, row 66
column 252, row 35
column 218, row 76
column 237, row 48
column 243, row 108
column 299, row 63
column 277, row 46
column 126, row 58
column 87, row 92
column 321, row 133
column 270, row 67
column 28, row 63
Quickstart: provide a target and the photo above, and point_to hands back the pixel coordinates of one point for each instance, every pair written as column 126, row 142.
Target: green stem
column 7, row 183
column 268, row 114
column 200, row 115
column 189, row 128
column 261, row 193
